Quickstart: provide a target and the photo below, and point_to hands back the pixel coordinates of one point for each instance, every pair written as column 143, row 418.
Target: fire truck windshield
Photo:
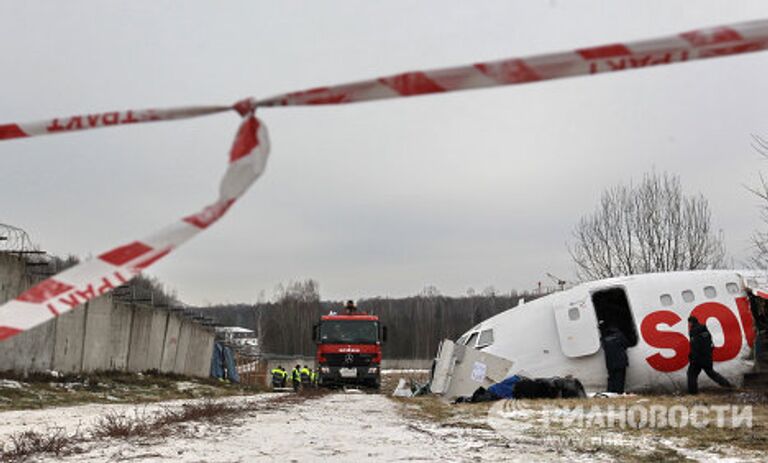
column 349, row 332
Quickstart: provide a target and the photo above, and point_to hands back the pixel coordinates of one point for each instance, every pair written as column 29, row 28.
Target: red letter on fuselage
column 665, row 340
column 729, row 324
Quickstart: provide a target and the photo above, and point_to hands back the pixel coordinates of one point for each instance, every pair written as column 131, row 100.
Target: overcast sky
column 463, row 190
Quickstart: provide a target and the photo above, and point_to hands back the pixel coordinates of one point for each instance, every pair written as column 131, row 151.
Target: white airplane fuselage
column 558, row 335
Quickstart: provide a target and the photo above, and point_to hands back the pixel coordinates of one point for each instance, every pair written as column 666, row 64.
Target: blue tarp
column 506, row 388
column 223, row 363
column 217, row 366
column 229, row 361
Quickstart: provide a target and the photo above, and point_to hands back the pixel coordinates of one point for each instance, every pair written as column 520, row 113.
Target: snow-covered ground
column 342, row 427
column 84, row 417
column 338, row 426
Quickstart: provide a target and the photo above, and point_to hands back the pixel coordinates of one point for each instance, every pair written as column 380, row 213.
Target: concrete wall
column 68, row 348
column 120, row 335
column 170, row 344
column 32, row 351
column 147, row 336
column 103, row 335
column 107, row 335
column 185, row 337
column 406, row 364
column 98, row 323
column 13, row 277
column 199, row 351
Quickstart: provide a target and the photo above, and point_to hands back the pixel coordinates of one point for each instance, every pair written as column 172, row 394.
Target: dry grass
column 41, row 390
column 428, row 408
column 141, row 424
column 708, row 437
column 646, row 444
column 25, row 444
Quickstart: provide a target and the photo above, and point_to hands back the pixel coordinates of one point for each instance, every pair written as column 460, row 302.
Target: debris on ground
column 402, row 390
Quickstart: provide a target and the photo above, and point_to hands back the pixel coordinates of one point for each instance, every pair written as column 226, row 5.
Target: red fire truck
column 349, row 349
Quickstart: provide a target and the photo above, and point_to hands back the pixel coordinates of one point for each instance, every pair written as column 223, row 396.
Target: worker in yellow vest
column 296, row 377
column 279, row 377
column 313, row 378
column 306, row 376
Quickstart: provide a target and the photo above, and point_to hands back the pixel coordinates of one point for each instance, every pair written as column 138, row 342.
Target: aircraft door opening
column 612, row 309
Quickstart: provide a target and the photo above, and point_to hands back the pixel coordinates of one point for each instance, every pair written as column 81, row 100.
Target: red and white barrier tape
column 689, row 46
column 92, row 278
column 98, row 120
column 249, row 153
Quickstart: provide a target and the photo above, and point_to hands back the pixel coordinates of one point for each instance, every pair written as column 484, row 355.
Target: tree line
column 415, row 325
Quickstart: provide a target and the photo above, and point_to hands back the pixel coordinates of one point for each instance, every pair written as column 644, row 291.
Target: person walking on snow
column 700, row 357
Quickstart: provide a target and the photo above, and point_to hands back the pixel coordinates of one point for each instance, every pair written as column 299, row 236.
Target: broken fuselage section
column 558, row 335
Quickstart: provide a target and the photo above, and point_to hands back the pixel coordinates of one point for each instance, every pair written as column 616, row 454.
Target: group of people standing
column 615, row 346
column 300, row 377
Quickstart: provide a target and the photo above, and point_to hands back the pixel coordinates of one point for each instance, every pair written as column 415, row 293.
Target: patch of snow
column 11, row 384
column 186, row 385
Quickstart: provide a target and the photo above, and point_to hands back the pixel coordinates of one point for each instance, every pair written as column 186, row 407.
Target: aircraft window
column 688, row 295
column 462, row 340
column 573, row 313
column 486, row 338
column 472, row 339
column 732, row 288
column 710, row 292
column 666, row 300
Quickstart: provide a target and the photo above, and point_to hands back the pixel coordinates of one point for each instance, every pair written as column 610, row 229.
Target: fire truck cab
column 349, row 349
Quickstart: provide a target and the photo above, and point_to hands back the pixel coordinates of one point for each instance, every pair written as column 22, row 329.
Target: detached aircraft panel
column 577, row 329
column 460, row 370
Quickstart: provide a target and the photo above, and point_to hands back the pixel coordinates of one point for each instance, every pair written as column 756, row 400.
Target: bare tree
column 430, row 292
column 760, row 237
column 650, row 227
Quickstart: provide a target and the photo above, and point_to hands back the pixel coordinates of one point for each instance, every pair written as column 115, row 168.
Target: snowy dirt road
column 338, row 427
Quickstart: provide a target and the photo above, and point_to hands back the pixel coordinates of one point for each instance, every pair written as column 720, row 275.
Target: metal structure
column 15, row 239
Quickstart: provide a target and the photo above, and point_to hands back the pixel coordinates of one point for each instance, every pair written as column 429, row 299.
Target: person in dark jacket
column 616, row 361
column 350, row 308
column 700, row 357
